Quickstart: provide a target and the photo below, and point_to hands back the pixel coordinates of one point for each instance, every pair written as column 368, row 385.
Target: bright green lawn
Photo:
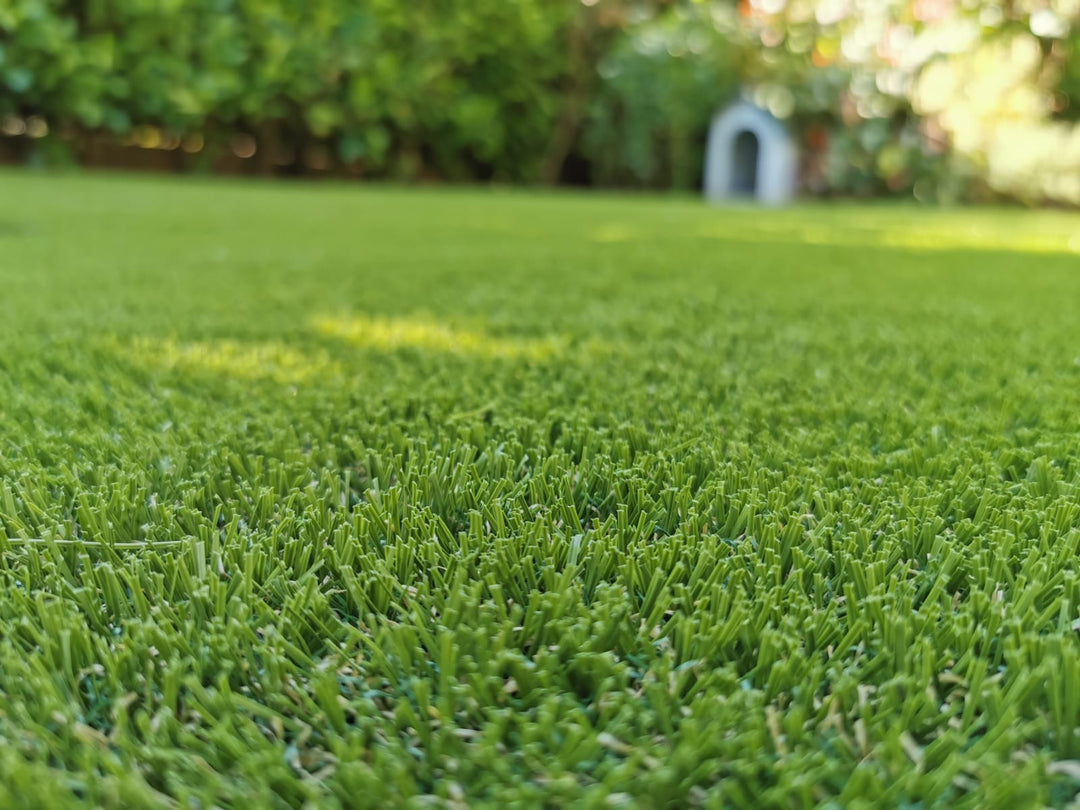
column 360, row 497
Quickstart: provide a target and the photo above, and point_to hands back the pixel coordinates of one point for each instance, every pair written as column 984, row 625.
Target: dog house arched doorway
column 750, row 156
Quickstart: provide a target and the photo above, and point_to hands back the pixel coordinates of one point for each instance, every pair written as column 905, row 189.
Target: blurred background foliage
column 940, row 99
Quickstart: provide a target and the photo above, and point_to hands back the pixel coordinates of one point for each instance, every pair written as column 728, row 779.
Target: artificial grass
column 364, row 497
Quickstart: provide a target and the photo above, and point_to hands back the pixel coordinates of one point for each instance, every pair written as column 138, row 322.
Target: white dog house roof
column 750, row 156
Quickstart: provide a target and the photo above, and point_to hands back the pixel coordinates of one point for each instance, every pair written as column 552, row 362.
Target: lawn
column 367, row 497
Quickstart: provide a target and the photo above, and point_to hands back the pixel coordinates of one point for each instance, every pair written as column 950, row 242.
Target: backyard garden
column 360, row 457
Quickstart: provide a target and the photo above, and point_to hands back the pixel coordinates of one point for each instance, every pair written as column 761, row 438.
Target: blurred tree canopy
column 945, row 99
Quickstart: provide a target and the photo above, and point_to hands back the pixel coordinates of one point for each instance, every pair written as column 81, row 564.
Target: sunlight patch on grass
column 923, row 237
column 390, row 334
column 854, row 231
column 614, row 232
column 272, row 360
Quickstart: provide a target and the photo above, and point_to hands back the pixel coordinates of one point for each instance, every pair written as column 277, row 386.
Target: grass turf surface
column 366, row 497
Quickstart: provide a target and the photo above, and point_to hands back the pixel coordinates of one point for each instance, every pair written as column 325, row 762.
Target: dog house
column 750, row 156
